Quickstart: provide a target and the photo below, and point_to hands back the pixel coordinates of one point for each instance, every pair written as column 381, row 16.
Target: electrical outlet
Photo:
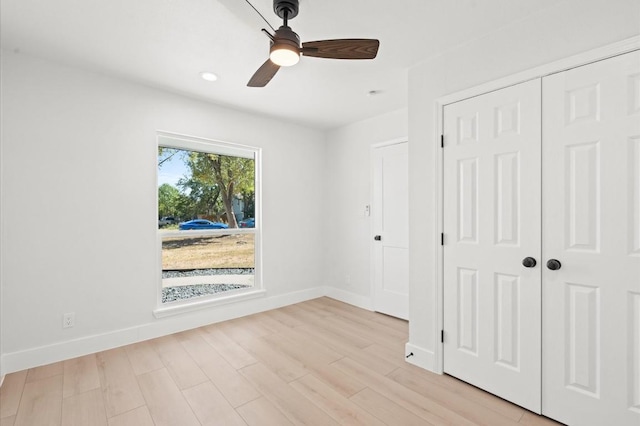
column 69, row 320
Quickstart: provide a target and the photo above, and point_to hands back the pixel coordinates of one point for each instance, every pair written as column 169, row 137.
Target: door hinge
column 442, row 239
column 441, row 336
column 441, row 141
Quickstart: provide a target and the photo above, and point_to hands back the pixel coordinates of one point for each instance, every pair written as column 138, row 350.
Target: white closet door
column 492, row 222
column 591, row 225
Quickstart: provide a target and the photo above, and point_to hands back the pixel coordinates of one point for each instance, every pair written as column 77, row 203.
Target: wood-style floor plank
column 386, row 410
column 283, row 365
column 260, row 412
column 280, row 315
column 7, row 421
column 347, row 334
column 320, row 362
column 120, row 389
column 210, row 407
column 338, row 381
column 82, row 409
column 233, row 353
column 295, row 407
column 263, row 325
column 395, row 356
column 366, row 332
column 45, row 371
column 342, row 345
column 277, row 327
column 166, row 403
column 11, row 392
column 80, row 375
column 178, row 362
column 421, row 406
column 143, row 357
column 471, row 410
column 137, row 417
column 41, row 402
column 530, row 419
column 311, row 307
column 241, row 329
column 303, row 313
column 470, row 393
column 378, row 327
column 303, row 348
column 343, row 410
column 369, row 316
column 315, row 358
column 235, row 388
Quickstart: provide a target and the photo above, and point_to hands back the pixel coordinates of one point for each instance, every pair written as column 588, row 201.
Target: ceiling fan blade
column 348, row 48
column 264, row 74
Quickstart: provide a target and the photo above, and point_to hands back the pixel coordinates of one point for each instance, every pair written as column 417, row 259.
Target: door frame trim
column 372, row 271
column 574, row 61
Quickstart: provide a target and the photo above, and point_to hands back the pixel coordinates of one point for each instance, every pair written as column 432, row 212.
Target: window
column 208, row 221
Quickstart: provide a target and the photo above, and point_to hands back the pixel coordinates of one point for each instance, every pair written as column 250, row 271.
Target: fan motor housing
column 288, row 6
column 287, row 36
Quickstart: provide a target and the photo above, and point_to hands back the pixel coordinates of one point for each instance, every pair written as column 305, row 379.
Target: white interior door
column 492, row 323
column 390, row 216
column 591, row 220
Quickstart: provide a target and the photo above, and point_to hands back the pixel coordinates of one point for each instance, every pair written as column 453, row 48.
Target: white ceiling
column 167, row 43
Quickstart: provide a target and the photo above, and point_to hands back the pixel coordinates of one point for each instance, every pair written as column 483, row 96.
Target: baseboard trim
column 43, row 355
column 363, row 302
column 421, row 357
column 34, row 357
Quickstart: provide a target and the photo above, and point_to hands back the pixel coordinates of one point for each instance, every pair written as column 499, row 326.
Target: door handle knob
column 378, row 237
column 554, row 264
column 529, row 262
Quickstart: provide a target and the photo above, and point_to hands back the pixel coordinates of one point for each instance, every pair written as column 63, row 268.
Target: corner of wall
column 341, row 295
column 421, row 357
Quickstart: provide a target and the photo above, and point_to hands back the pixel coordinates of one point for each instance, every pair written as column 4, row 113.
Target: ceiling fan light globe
column 284, row 56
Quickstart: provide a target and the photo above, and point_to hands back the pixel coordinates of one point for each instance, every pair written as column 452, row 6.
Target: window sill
column 188, row 306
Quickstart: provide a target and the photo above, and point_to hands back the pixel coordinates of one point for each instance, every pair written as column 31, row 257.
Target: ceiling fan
column 285, row 47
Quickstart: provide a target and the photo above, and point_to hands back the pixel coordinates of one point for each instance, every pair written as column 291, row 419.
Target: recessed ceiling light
column 209, row 76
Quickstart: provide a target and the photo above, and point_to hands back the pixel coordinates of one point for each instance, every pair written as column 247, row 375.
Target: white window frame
column 191, row 143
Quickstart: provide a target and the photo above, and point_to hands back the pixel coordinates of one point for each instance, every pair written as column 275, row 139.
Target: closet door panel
column 491, row 223
column 591, row 216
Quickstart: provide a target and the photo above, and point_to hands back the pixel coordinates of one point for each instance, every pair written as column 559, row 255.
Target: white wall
column 348, row 190
column 79, row 208
column 571, row 27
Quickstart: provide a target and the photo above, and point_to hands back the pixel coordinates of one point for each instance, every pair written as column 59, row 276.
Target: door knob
column 377, row 237
column 529, row 262
column 554, row 264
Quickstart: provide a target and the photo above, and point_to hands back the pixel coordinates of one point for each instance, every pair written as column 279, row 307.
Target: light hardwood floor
column 320, row 362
